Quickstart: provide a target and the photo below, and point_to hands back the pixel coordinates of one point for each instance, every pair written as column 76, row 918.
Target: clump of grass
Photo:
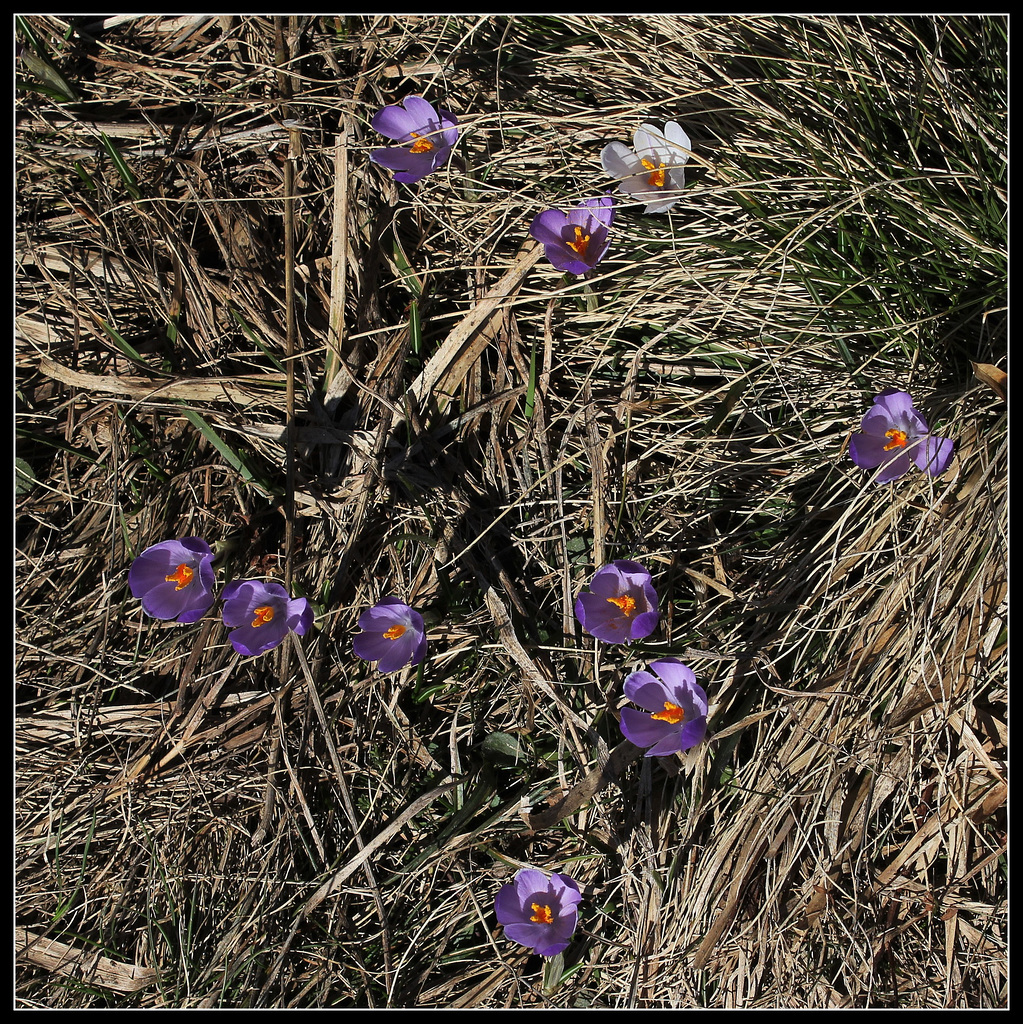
column 296, row 830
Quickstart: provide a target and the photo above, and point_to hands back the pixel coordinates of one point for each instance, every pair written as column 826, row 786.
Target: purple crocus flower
column 894, row 435
column 653, row 172
column 675, row 708
column 538, row 911
column 621, row 605
column 393, row 635
column 426, row 135
column 260, row 615
column 174, row 579
column 575, row 242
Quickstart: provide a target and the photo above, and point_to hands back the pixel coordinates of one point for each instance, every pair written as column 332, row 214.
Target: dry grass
column 199, row 829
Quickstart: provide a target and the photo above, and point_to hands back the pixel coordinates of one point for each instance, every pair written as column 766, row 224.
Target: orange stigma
column 397, row 630
column 897, row 439
column 182, row 576
column 422, row 144
column 626, row 603
column 264, row 615
column 542, row 915
column 656, row 179
column 672, row 713
column 581, row 243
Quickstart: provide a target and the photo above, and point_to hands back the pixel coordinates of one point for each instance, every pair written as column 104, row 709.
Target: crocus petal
column 547, row 227
column 679, row 140
column 669, row 681
column 566, row 888
column 514, row 905
column 422, row 112
column 601, row 615
column 507, row 905
column 609, row 581
column 566, row 264
column 634, row 573
column 167, row 602
column 148, row 572
column 649, row 143
column 434, row 122
column 414, row 115
column 371, row 646
column 417, row 119
column 400, row 653
column 602, row 619
column 651, row 694
column 408, row 167
column 639, row 728
column 644, row 624
column 391, row 654
column 529, row 933
column 163, row 598
column 897, row 404
column 300, row 616
column 396, row 122
column 252, row 642
column 867, row 450
column 600, row 209
column 693, row 732
column 445, row 138
column 242, row 598
column 877, row 420
column 557, row 231
column 398, row 158
column 662, row 205
column 646, row 690
column 675, row 676
column 670, row 147
column 234, row 610
column 670, row 743
column 558, row 937
column 420, row 652
column 898, row 467
column 619, row 161
column 387, row 612
column 934, row 454
column 600, row 242
column 655, row 151
column 528, row 881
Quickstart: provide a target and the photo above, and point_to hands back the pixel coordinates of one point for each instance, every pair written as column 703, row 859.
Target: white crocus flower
column 652, row 172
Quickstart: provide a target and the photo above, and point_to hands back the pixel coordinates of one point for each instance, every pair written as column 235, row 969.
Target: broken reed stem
column 338, row 258
column 284, row 84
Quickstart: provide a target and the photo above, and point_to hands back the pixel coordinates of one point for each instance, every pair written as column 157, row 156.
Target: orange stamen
column 626, row 603
column 263, row 615
column 542, row 915
column 898, row 439
column 182, row 576
column 581, row 243
column 672, row 713
column 656, row 180
column 422, row 144
column 397, row 630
